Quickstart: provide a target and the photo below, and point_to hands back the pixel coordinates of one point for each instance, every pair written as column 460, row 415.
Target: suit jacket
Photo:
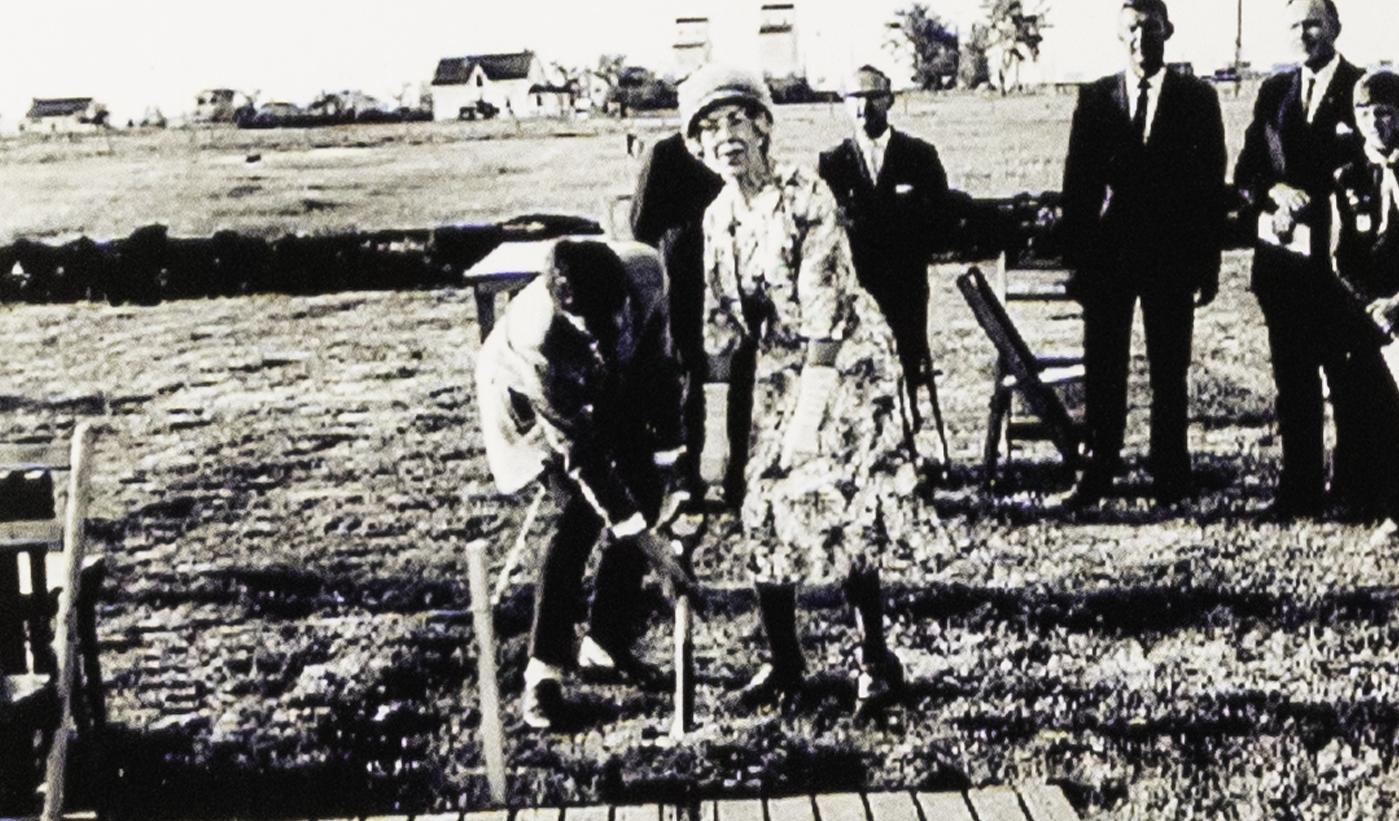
column 674, row 188
column 672, row 193
column 895, row 223
column 1145, row 216
column 1364, row 250
column 1280, row 146
column 547, row 390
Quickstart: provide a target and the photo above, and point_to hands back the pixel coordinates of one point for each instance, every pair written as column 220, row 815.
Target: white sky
column 135, row 53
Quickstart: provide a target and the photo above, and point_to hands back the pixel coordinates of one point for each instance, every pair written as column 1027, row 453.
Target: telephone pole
column 1239, row 51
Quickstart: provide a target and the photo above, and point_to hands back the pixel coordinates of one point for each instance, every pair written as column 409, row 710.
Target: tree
column 610, row 66
column 1013, row 38
column 972, row 69
column 639, row 89
column 934, row 46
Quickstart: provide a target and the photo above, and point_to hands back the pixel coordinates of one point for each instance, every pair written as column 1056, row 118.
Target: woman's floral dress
column 778, row 273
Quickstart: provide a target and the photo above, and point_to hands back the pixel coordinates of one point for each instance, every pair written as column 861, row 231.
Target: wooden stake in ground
column 74, row 543
column 492, row 738
column 684, row 661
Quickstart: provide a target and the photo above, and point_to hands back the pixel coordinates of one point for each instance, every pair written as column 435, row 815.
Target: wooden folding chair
column 50, row 680
column 1036, row 380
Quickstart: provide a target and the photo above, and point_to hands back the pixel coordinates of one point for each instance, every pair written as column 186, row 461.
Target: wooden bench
column 1024, row 802
column 50, row 680
column 1019, row 372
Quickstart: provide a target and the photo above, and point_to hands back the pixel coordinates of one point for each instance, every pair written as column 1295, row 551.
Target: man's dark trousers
column 1168, row 316
column 558, row 593
column 1302, row 324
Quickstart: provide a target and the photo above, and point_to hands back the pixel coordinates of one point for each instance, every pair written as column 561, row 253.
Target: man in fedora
column 892, row 191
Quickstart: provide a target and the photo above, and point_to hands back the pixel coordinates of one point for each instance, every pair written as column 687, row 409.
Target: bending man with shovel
column 577, row 386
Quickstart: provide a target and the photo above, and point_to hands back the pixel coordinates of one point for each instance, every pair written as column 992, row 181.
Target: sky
column 138, row 53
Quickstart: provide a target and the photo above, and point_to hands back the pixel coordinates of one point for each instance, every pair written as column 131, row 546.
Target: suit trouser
column 682, row 249
column 1303, row 342
column 558, row 592
column 1168, row 318
column 906, row 312
column 1366, row 398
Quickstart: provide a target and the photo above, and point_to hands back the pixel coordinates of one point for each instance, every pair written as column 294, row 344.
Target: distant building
column 215, row 105
column 778, row 55
column 514, row 83
column 692, row 45
column 64, row 114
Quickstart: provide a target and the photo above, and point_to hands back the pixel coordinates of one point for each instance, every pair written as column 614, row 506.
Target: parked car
column 481, row 110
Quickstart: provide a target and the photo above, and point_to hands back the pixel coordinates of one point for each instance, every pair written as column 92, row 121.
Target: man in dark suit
column 892, row 190
column 1299, row 137
column 672, row 193
column 1143, row 211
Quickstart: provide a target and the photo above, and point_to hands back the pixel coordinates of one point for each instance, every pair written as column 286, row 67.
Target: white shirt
column 872, row 150
column 1153, row 96
column 1389, row 195
column 1323, row 82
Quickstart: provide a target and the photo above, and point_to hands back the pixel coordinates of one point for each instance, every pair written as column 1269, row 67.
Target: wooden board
column 685, row 812
column 996, row 804
column 488, row 815
column 944, row 806
column 33, row 457
column 649, row 812
column 587, row 814
column 1046, row 803
column 845, row 806
column 892, row 806
column 797, row 808
column 751, row 810
column 16, row 536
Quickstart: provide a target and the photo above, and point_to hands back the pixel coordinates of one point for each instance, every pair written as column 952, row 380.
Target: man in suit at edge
column 1292, row 149
column 1143, row 213
column 892, row 191
column 672, row 193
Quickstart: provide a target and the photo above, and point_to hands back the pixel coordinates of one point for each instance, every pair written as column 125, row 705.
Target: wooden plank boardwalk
column 1026, row 802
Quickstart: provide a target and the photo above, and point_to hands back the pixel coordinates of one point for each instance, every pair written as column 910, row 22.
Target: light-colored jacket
column 546, row 392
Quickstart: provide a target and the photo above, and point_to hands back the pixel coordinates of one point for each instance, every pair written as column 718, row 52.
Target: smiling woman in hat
column 811, row 449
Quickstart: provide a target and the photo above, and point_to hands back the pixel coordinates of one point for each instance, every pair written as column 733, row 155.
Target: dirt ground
column 285, row 487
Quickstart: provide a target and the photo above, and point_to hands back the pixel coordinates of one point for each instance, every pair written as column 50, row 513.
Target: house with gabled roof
column 514, row 83
column 63, row 114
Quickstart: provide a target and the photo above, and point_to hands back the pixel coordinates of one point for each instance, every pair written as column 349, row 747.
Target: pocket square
column 903, row 188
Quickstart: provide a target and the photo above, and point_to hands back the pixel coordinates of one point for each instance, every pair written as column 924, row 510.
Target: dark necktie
column 1307, row 100
column 1139, row 119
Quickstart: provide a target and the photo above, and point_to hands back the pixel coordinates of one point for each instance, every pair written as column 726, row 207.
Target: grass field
column 285, row 485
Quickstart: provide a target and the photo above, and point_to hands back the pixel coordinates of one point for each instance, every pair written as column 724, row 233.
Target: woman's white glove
column 714, row 458
column 802, row 436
